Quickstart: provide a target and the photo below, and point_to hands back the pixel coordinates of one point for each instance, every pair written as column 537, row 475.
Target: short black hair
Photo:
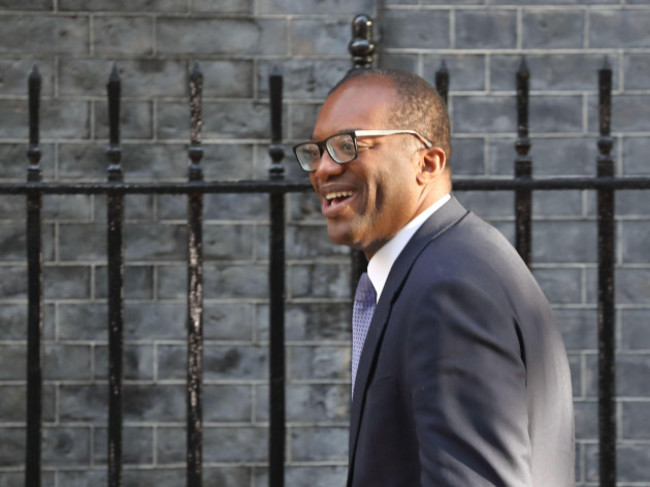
column 421, row 107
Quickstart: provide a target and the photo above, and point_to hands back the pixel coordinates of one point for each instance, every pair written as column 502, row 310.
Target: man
column 462, row 379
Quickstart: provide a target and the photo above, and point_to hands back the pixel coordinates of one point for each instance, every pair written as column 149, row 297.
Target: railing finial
column 33, row 151
column 114, row 151
column 362, row 46
column 276, row 149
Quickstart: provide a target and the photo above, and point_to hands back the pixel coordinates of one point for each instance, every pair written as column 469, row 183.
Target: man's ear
column 432, row 164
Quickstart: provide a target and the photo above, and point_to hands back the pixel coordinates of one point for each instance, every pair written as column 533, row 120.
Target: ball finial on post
column 362, row 46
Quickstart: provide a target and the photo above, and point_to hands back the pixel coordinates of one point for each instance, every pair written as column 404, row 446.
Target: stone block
column 318, row 362
column 133, row 476
column 137, row 445
column 14, row 74
column 123, row 5
column 59, row 120
column 556, row 114
column 66, row 446
column 82, row 161
column 320, row 36
column 634, row 159
column 304, row 79
column 135, row 121
column 635, row 420
column 227, row 403
column 551, row 71
column 227, row 162
column 312, row 322
column 311, row 476
column 488, row 204
column 633, row 460
column 15, row 165
column 138, row 282
column 67, row 207
column 123, row 35
column 553, row 29
column 579, row 328
column 48, row 34
column 633, row 375
column 634, row 241
column 230, row 37
column 416, row 29
column 228, row 321
column 553, row 2
column 560, row 285
column 12, row 479
column 564, row 241
column 302, row 118
column 12, row 447
column 635, row 329
column 307, row 242
column 466, row 71
column 228, row 242
column 220, row 362
column 480, row 29
column 32, row 6
column 630, row 113
column 13, row 284
column 224, row 6
column 241, row 444
column 66, row 362
column 14, row 321
column 624, row 28
column 636, row 68
column 479, row 114
column 562, row 203
column 630, row 203
column 399, row 60
column 319, row 444
column 632, row 286
column 84, row 403
column 13, row 242
column 66, row 282
column 227, row 78
column 159, row 243
column 319, row 281
column 309, row 403
column 137, row 362
column 229, row 207
column 322, row 7
column 82, row 242
column 586, row 420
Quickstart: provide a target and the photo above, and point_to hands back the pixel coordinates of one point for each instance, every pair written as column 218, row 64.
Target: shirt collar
column 381, row 263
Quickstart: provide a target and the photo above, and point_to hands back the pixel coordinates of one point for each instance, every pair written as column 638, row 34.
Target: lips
column 335, row 201
column 337, row 197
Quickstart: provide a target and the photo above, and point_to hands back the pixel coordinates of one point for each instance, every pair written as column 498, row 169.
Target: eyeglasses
column 341, row 147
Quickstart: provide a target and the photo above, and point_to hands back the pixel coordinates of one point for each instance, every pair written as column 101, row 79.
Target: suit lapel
column 444, row 218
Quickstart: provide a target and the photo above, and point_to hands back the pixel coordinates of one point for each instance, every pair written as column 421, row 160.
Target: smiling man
column 459, row 374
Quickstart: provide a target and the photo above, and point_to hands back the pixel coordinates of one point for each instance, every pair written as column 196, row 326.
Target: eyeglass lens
column 340, row 147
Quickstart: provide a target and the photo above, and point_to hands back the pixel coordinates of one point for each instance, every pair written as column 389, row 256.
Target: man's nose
column 327, row 167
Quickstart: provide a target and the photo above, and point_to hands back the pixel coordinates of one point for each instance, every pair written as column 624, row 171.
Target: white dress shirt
column 381, row 263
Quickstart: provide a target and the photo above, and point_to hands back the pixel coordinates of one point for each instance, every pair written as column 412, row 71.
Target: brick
column 12, row 447
column 138, row 282
column 227, row 403
column 467, row 156
column 307, row 241
column 635, row 334
column 11, row 479
column 312, row 321
column 326, row 36
column 586, row 420
column 313, row 476
column 66, row 282
column 466, row 71
column 631, row 203
column 225, row 6
column 228, row 161
column 67, row 207
column 123, row 35
column 87, row 403
column 478, row 114
column 553, row 29
column 145, row 77
column 633, row 375
column 220, row 476
column 560, row 286
column 66, row 362
column 82, row 162
column 558, row 203
column 155, row 242
column 578, row 241
column 322, row 7
column 634, row 161
column 619, row 28
column 556, row 115
column 12, row 362
column 15, row 161
column 135, row 121
column 304, row 79
column 579, row 328
column 227, row 78
column 123, row 5
column 319, row 363
column 319, row 444
column 66, row 446
column 630, row 113
column 82, row 242
column 553, row 2
column 636, row 420
column 488, row 204
column 59, row 119
column 228, row 321
column 319, row 281
column 15, row 72
column 486, row 29
column 636, row 68
column 632, row 462
column 557, row 72
column 313, row 403
column 398, row 60
column 220, row 36
column 138, row 445
column 19, row 5
column 13, row 284
column 13, row 242
column 425, row 29
column 14, row 318
column 242, row 444
column 220, row 362
column 137, row 362
column 632, row 286
column 228, row 242
column 137, row 208
column 51, row 35
column 634, row 241
column 302, row 120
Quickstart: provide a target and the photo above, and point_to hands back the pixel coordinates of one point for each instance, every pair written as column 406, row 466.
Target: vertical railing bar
column 115, row 222
column 442, row 81
column 195, row 289
column 523, row 168
column 34, row 292
column 606, row 303
column 276, row 290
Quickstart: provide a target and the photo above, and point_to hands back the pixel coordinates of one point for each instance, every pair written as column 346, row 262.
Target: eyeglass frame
column 323, row 144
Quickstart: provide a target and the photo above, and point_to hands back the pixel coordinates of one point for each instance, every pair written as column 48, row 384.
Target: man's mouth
column 336, row 197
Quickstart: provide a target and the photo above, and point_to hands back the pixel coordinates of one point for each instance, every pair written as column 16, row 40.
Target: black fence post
column 115, row 223
column 34, row 291
column 276, row 290
column 606, row 303
column 195, row 289
column 523, row 168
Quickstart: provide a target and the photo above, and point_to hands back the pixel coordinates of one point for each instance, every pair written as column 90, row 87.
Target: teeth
column 338, row 194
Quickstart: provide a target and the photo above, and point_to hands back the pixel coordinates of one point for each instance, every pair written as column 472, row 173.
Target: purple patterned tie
column 364, row 306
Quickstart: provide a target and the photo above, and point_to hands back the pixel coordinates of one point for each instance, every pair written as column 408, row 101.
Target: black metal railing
column 362, row 49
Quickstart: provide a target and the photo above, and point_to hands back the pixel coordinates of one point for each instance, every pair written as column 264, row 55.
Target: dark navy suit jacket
column 463, row 380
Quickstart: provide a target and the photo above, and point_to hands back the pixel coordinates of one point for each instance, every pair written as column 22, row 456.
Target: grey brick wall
column 237, row 42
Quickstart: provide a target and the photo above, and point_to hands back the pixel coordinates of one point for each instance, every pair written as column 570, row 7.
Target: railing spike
column 276, row 149
column 606, row 63
column 362, row 46
column 523, row 67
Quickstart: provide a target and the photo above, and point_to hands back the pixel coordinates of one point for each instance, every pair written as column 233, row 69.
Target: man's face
column 366, row 201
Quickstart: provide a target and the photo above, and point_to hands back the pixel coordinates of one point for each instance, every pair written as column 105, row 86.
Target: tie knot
column 365, row 291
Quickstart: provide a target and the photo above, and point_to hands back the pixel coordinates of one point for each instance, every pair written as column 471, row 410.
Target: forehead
column 361, row 103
